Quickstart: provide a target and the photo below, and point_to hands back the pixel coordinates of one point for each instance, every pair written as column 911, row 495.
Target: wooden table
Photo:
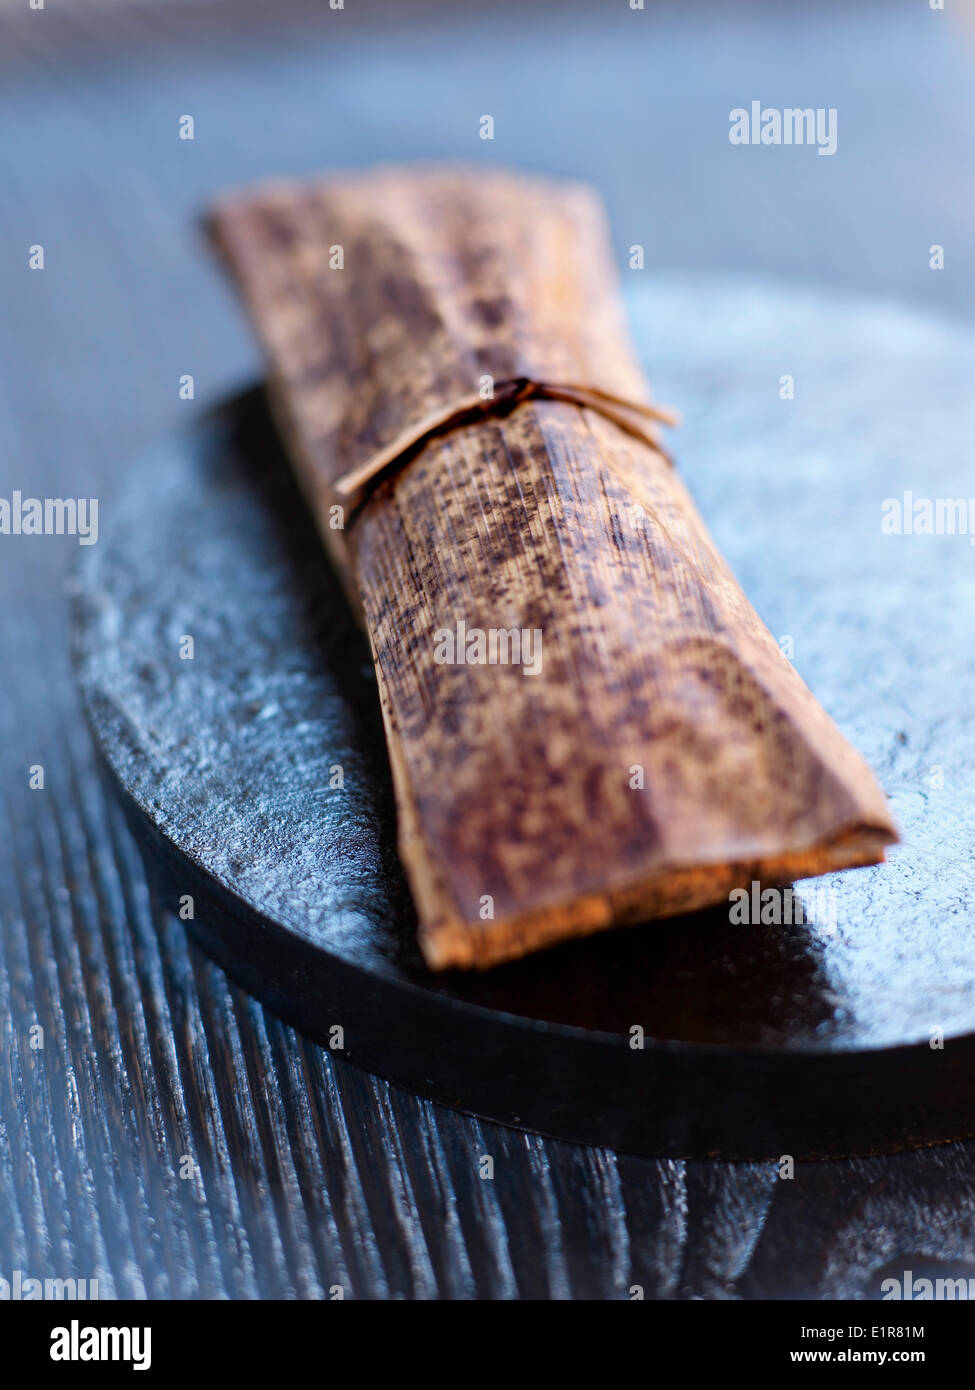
column 158, row 1130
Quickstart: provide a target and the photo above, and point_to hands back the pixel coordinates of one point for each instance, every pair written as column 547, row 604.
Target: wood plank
column 132, row 305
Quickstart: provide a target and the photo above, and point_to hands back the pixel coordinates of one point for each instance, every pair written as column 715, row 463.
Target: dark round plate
column 805, row 1039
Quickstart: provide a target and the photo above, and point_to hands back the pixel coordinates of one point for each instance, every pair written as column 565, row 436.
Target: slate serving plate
column 851, row 1031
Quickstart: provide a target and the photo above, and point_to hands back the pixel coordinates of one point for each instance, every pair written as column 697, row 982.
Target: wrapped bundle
column 587, row 721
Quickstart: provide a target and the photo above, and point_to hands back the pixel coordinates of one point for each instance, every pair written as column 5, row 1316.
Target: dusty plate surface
column 811, row 1038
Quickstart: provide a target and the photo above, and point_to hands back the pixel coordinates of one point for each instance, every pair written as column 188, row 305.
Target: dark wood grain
column 310, row 1173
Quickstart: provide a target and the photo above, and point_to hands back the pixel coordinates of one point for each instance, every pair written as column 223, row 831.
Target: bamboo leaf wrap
column 665, row 751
